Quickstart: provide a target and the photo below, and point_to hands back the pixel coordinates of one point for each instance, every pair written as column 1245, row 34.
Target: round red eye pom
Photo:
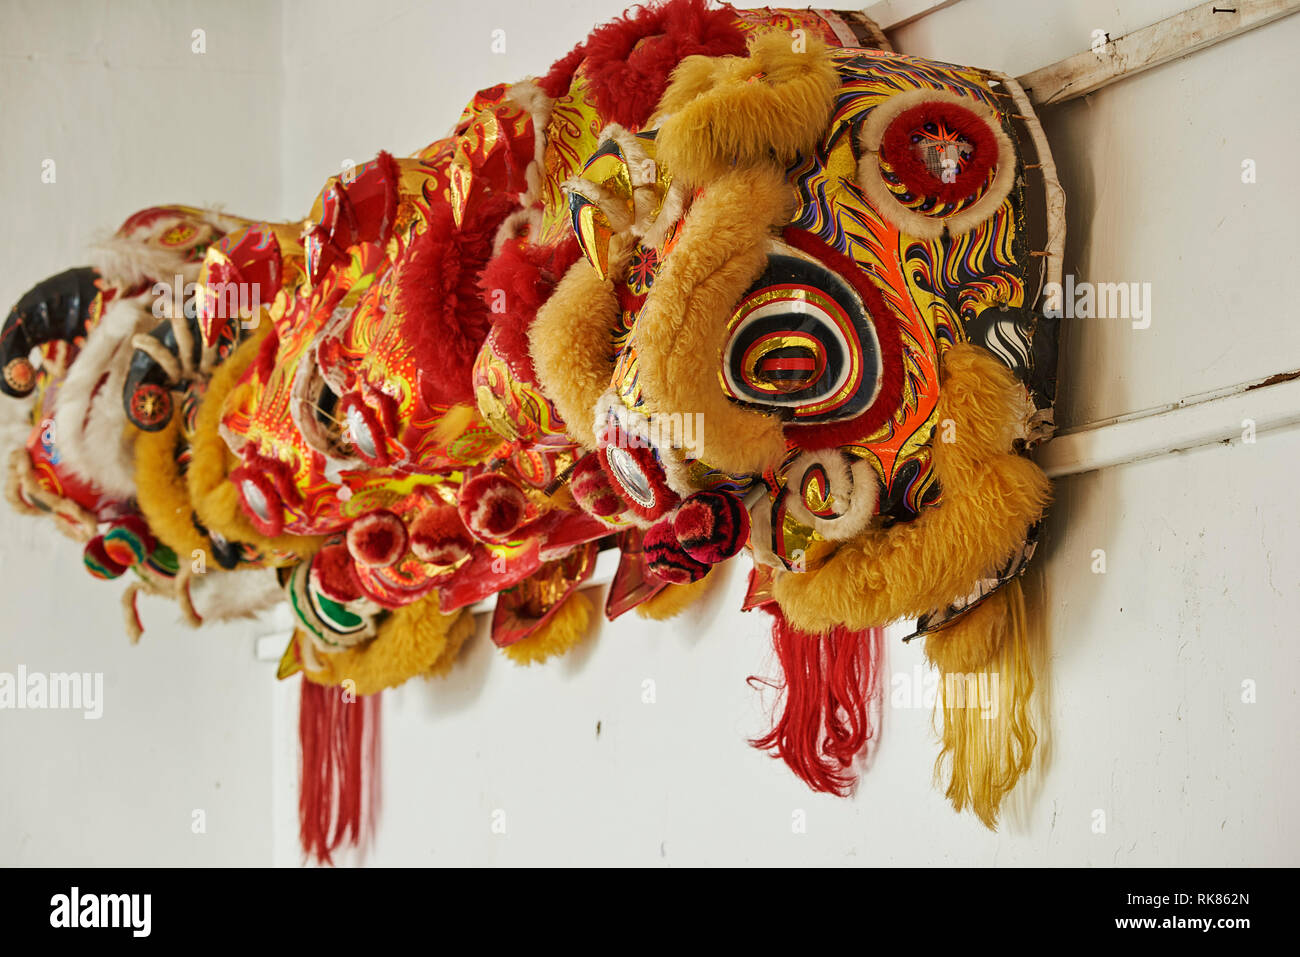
column 439, row 537
column 711, row 526
column 666, row 558
column 377, row 539
column 492, row 506
column 593, row 490
column 333, row 573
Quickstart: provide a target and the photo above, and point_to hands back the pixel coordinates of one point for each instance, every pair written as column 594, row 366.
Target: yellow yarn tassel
column 674, row 599
column 986, row 681
column 566, row 628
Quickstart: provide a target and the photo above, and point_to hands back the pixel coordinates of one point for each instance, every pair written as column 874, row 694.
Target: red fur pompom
column 593, row 490
column 666, row 558
column 711, row 526
column 437, row 292
column 628, row 61
column 515, row 284
column 377, row 539
column 334, row 575
column 439, row 537
column 492, row 506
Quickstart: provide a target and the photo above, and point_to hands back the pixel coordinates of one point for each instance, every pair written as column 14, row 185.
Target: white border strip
column 1177, row 36
column 1225, row 417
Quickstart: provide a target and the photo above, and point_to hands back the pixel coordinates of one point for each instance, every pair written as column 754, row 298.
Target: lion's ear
column 725, row 113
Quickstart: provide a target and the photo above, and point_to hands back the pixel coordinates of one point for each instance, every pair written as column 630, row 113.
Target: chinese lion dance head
column 803, row 325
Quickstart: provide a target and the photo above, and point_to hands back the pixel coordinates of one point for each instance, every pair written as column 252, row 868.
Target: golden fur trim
column 164, row 495
column 565, row 628
column 991, row 496
column 725, row 113
column 415, row 639
column 681, row 329
column 213, row 496
column 571, row 346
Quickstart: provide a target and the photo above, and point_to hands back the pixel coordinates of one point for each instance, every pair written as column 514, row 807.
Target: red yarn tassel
column 339, row 789
column 832, row 683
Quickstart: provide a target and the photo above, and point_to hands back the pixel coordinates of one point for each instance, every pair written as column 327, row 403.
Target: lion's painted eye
column 932, row 160
column 802, row 342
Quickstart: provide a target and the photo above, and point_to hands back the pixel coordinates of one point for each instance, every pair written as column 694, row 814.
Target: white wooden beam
column 1171, row 38
column 1248, row 409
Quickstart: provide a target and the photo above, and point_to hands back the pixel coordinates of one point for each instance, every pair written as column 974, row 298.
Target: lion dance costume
column 722, row 280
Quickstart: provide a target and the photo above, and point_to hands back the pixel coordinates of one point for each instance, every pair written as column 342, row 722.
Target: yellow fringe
column 567, row 627
column 674, row 599
column 987, row 734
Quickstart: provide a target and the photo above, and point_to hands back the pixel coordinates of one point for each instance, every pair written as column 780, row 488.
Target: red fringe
column 338, row 795
column 832, row 684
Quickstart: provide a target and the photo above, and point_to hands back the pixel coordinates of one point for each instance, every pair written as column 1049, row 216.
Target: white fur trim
column 642, row 427
column 670, row 213
column 159, row 353
column 91, row 428
column 531, row 98
column 853, row 490
column 908, row 221
column 127, row 261
column 522, row 222
column 222, row 595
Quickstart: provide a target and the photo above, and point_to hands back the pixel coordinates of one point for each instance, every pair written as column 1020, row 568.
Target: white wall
column 131, row 117
column 1148, row 660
